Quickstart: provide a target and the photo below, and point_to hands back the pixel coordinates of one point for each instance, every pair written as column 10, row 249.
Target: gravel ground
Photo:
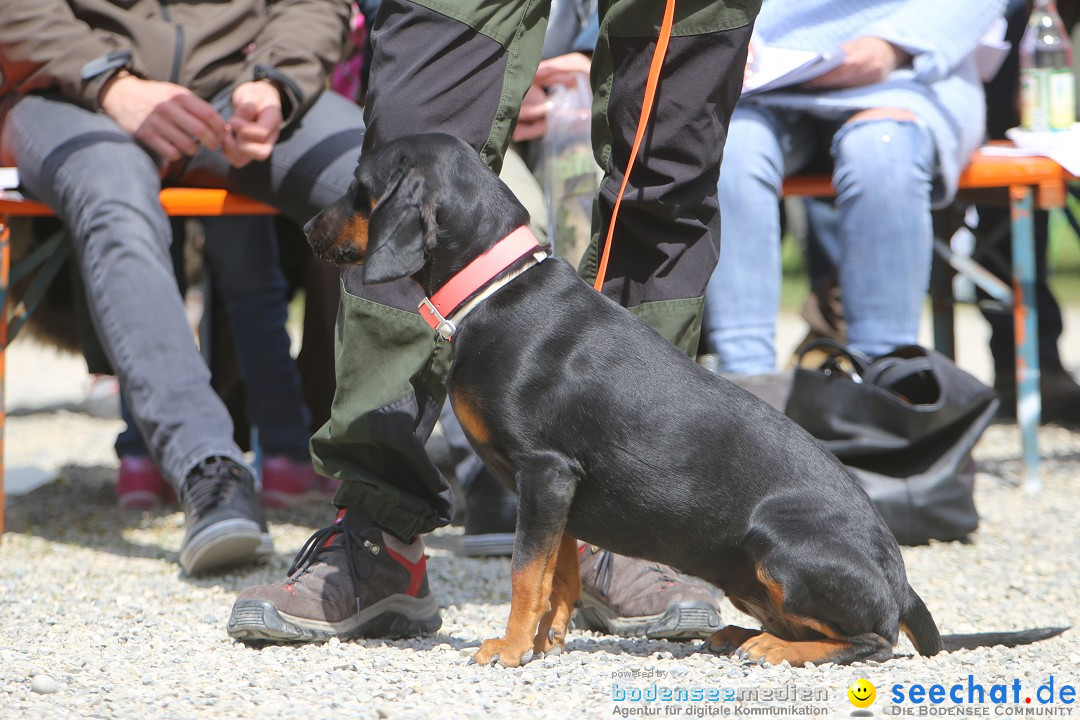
column 96, row 621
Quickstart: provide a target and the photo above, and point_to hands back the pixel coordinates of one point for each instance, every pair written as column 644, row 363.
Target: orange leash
column 643, row 123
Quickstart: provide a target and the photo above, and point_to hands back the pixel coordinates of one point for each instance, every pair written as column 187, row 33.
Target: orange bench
column 178, row 202
column 1032, row 182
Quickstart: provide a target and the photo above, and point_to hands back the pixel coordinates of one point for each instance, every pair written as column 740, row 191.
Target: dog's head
column 422, row 206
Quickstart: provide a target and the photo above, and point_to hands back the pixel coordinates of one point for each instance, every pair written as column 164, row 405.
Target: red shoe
column 286, row 482
column 140, row 485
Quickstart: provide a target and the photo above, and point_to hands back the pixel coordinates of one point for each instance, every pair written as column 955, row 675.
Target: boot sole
column 396, row 616
column 225, row 544
column 488, row 544
column 680, row 621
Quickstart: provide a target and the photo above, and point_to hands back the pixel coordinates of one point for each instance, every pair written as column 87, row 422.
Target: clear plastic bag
column 571, row 175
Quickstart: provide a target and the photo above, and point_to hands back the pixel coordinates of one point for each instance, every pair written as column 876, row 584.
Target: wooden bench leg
column 1025, row 314
column 942, row 302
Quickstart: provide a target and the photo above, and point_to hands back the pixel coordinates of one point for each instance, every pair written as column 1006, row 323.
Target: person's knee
column 886, row 148
column 113, row 227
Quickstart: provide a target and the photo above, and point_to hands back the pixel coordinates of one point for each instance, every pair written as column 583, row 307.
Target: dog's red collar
column 437, row 310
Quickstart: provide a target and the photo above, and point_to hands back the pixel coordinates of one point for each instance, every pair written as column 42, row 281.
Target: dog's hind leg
column 803, row 622
column 565, row 591
column 545, row 489
column 728, row 639
column 774, row 650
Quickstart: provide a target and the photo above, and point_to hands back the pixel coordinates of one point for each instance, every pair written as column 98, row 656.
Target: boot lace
column 320, row 544
column 216, row 479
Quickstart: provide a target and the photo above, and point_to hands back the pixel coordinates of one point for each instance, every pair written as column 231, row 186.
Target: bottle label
column 1062, row 92
column 1047, row 99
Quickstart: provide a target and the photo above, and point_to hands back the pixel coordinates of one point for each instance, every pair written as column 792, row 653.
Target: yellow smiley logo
column 861, row 693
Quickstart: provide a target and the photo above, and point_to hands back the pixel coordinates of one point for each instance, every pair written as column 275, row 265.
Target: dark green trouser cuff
column 679, row 321
column 390, row 360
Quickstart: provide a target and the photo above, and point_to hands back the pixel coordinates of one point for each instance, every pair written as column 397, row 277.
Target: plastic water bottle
column 1047, row 84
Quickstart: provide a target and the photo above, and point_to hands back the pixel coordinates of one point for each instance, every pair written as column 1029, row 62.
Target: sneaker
column 225, row 525
column 286, row 483
column 140, row 485
column 344, row 583
column 635, row 598
column 491, row 516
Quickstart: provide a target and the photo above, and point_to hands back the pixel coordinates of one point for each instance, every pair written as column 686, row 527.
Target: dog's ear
column 402, row 229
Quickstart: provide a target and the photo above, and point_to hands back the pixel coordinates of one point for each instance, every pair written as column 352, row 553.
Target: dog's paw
column 767, row 650
column 505, row 652
column 550, row 642
column 726, row 640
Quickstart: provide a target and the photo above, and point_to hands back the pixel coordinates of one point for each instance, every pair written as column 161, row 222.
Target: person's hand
column 167, row 118
column 253, row 129
column 867, row 60
column 532, row 117
column 561, row 70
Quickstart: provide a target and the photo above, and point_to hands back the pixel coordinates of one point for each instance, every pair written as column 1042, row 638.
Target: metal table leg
column 1025, row 314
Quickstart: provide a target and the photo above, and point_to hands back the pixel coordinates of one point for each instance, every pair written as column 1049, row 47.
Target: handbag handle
column 888, row 371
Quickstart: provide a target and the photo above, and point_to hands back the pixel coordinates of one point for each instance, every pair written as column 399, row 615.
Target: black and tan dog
column 607, row 433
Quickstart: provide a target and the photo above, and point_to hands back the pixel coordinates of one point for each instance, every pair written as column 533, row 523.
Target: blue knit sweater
column 941, row 86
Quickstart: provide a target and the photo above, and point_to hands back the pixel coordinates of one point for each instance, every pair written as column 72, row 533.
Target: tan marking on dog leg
column 728, row 639
column 529, row 600
column 791, row 621
column 774, row 650
column 565, row 591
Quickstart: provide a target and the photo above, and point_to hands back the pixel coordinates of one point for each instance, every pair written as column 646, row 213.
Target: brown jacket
column 206, row 45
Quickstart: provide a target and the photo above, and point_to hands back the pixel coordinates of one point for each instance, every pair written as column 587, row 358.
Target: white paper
column 9, row 178
column 775, row 67
column 1061, row 147
column 992, row 50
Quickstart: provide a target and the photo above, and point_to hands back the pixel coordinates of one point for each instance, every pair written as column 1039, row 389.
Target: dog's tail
column 1008, row 638
column 920, row 628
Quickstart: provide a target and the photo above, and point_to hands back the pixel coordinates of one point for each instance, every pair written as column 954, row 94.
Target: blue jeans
column 241, row 255
column 883, row 171
column 104, row 186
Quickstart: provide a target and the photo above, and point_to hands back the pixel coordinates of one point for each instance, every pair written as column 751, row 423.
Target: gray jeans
column 104, row 186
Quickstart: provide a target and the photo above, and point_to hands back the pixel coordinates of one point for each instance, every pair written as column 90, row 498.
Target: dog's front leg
column 565, row 591
column 545, row 489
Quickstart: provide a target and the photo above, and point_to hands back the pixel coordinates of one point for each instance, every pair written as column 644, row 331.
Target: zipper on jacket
column 178, row 53
column 178, row 56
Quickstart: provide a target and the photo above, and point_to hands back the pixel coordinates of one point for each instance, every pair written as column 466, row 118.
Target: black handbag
column 904, row 424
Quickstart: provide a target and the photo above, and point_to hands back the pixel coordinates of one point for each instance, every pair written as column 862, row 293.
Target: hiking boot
column 140, row 485
column 345, row 583
column 636, row 598
column 225, row 525
column 491, row 516
column 287, row 482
